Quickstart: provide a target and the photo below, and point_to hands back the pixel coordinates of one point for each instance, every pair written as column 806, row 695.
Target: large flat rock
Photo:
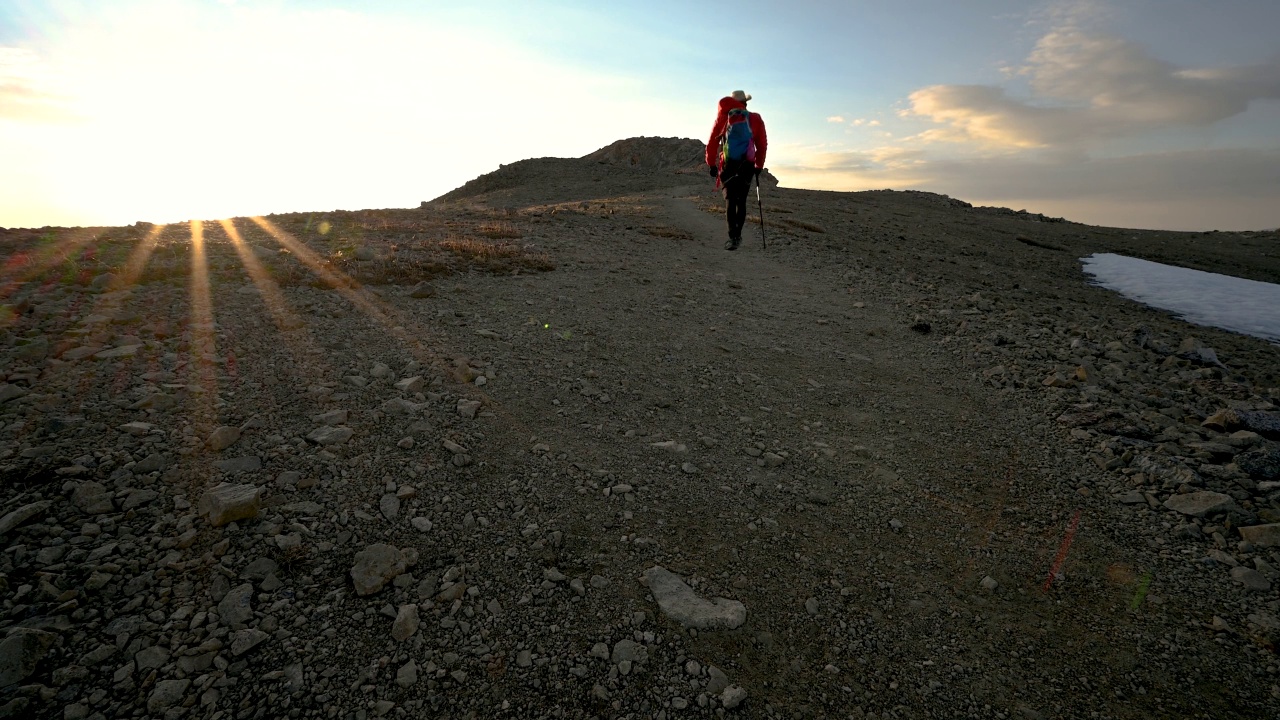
column 1262, row 535
column 1200, row 503
column 678, row 602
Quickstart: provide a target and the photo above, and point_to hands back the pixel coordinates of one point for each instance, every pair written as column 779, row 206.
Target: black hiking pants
column 736, row 178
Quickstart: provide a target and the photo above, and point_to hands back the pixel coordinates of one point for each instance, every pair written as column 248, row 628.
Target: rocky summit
column 541, row 448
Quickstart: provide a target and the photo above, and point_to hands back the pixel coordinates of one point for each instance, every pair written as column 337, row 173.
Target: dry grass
column 499, row 231
column 479, row 250
column 664, row 231
column 805, row 226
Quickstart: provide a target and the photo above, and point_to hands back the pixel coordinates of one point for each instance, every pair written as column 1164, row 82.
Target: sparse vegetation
column 500, row 231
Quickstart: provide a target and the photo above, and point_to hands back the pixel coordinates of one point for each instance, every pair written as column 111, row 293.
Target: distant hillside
column 651, row 161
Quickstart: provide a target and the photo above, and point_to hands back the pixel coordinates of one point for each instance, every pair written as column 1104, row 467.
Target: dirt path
column 847, row 432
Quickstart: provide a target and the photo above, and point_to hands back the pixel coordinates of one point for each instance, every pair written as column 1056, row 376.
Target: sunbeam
column 202, row 346
column 285, row 319
column 384, row 315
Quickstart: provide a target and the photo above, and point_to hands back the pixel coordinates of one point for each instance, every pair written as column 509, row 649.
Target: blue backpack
column 736, row 143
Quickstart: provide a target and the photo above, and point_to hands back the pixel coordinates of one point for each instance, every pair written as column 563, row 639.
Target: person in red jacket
column 735, row 155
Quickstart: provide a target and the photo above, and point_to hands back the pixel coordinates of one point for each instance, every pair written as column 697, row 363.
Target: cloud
column 1090, row 87
column 26, row 89
column 835, row 119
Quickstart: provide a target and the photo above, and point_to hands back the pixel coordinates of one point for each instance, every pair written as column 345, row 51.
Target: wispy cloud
column 835, row 119
column 27, row 91
column 1088, row 88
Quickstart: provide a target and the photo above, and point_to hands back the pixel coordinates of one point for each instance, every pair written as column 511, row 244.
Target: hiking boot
column 733, row 243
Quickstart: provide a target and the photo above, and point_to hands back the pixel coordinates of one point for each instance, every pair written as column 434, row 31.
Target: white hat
column 740, row 96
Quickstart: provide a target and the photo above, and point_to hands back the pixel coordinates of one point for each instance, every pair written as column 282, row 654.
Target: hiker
column 735, row 154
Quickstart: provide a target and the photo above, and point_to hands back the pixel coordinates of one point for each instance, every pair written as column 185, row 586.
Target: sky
column 1159, row 114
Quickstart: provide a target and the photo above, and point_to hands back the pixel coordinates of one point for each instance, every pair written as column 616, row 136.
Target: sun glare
column 202, row 345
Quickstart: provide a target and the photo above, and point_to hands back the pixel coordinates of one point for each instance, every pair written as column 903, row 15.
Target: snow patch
column 1244, row 306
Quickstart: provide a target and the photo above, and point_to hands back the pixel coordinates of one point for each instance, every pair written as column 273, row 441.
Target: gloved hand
column 714, row 170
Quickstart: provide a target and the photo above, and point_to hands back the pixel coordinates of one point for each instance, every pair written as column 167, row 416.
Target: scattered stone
column 732, row 697
column 137, row 429
column 989, row 584
column 167, row 693
column 333, row 417
column 423, row 289
column 226, row 503
column 21, row 651
column 468, row 408
column 628, row 651
column 235, row 608
column 151, row 658
column 1261, row 463
column 154, row 462
column 1250, row 578
column 92, row 498
column 410, row 385
column 406, row 623
column 330, row 435
column 246, row 639
column 678, row 601
column 1262, row 535
column 248, row 463
column 10, row 391
column 17, row 517
column 375, row 566
column 223, row 438
column 407, row 675
column 389, row 506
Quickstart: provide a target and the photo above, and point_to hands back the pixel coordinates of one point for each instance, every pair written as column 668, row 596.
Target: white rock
column 330, row 435
column 678, row 601
column 410, row 385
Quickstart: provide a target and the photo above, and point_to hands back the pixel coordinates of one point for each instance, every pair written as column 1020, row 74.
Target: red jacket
column 758, row 137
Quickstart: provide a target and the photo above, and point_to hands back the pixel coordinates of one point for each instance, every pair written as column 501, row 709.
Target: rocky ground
column 542, row 448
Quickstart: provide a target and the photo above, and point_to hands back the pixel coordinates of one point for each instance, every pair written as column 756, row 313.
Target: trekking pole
column 763, row 242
